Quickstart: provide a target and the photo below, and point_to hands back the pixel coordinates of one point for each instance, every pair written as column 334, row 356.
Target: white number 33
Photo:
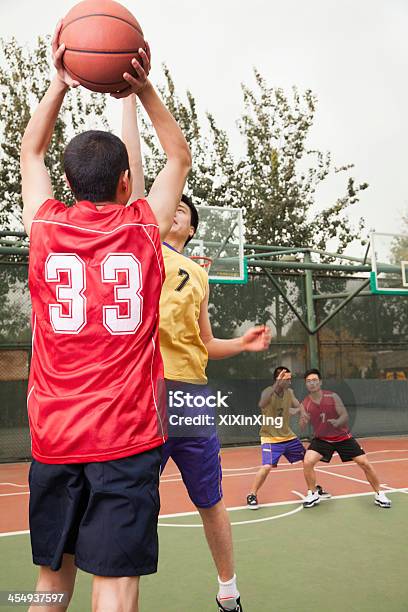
column 72, row 294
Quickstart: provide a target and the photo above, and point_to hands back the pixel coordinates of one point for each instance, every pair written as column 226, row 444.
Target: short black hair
column 278, row 370
column 193, row 215
column 312, row 371
column 93, row 163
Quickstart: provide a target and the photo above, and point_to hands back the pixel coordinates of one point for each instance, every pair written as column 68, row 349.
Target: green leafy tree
column 280, row 174
column 277, row 179
column 212, row 178
column 24, row 79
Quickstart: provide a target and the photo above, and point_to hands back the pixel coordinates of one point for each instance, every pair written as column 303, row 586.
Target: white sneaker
column 382, row 500
column 312, row 499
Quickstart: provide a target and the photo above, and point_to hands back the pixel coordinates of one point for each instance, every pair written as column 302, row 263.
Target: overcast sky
column 352, row 53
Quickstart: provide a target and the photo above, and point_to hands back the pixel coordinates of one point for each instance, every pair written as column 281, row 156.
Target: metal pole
column 311, row 315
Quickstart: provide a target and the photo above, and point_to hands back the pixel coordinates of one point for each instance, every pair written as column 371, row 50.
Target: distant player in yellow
column 186, row 342
column 278, row 403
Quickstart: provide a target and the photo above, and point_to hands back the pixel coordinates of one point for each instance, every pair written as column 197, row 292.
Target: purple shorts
column 293, row 450
column 199, row 462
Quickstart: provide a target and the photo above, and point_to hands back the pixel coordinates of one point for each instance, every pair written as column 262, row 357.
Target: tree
column 280, row 174
column 212, row 180
column 24, row 79
column 277, row 178
column 399, row 246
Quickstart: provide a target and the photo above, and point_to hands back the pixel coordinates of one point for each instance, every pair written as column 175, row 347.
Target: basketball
column 101, row 38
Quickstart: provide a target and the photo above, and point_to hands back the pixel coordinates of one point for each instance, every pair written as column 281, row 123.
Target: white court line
column 13, row 533
column 12, row 484
column 282, row 470
column 279, row 471
column 283, row 503
column 360, row 481
column 13, row 494
column 234, row 523
column 342, row 476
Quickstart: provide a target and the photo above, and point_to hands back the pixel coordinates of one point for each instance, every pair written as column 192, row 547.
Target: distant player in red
column 95, row 277
column 329, row 420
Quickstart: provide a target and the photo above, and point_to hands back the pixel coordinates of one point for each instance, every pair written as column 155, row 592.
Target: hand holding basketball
column 142, row 69
column 57, row 55
column 257, row 339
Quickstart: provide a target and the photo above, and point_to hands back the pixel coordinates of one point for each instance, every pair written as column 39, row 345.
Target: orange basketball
column 101, row 37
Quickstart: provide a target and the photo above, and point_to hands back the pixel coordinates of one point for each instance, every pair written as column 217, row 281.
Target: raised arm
column 131, row 138
column 167, row 189
column 254, row 340
column 36, row 181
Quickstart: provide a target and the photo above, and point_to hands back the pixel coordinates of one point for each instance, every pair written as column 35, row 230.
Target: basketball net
column 204, row 262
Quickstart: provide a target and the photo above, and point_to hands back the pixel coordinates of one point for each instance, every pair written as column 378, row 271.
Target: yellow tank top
column 278, row 406
column 184, row 354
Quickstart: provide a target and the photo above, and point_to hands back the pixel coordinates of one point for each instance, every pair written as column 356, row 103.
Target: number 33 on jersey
column 72, row 295
column 95, row 279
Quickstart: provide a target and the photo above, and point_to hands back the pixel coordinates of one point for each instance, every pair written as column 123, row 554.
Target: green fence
column 362, row 351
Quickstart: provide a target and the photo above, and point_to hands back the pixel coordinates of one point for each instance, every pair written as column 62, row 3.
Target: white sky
column 352, row 53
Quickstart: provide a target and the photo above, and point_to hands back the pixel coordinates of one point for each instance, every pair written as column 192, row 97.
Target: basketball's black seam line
column 96, row 82
column 129, row 52
column 101, row 15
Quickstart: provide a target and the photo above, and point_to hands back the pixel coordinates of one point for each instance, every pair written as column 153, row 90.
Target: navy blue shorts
column 103, row 513
column 199, row 462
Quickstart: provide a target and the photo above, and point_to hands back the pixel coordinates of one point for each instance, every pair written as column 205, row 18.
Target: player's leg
column 319, row 450
column 218, row 533
column 61, row 581
column 198, row 460
column 380, row 497
column 217, row 528
column 112, row 594
column 271, row 454
column 58, row 495
column 117, row 539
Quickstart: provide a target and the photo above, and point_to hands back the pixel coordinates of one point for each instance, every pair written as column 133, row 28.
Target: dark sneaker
column 252, row 501
column 312, row 499
column 322, row 493
column 230, row 602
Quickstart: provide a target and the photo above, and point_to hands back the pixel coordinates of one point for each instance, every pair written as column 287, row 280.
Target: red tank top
column 319, row 416
column 95, row 277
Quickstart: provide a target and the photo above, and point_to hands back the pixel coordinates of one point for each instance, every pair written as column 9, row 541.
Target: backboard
column 220, row 236
column 389, row 261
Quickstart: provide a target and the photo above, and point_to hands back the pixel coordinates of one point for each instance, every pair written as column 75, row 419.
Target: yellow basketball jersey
column 278, row 406
column 184, row 354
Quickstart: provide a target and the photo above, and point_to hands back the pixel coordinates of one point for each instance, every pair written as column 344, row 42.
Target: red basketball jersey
column 320, row 415
column 95, row 388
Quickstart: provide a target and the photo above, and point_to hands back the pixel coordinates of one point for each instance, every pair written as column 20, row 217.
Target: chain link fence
column 363, row 352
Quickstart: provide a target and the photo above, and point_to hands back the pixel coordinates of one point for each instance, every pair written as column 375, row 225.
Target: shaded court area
column 345, row 553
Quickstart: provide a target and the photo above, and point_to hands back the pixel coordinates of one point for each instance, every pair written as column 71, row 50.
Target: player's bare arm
column 296, row 405
column 254, row 340
column 304, row 417
column 342, row 419
column 265, row 397
column 130, row 128
column 168, row 186
column 36, row 181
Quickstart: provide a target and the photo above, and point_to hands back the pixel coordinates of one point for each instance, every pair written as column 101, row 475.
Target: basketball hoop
column 204, row 262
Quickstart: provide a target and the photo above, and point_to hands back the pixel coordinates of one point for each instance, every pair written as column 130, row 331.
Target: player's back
column 95, row 279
